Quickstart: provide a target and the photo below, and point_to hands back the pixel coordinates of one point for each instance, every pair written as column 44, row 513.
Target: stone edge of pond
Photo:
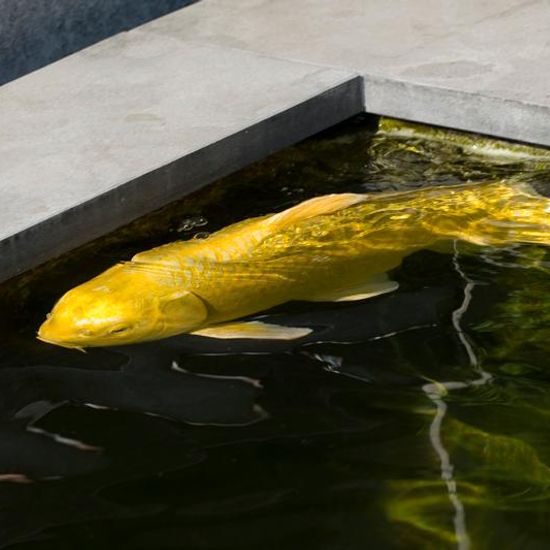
column 318, row 91
column 71, row 227
column 460, row 110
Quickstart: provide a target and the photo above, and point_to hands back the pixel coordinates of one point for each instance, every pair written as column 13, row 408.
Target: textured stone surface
column 138, row 120
column 34, row 33
column 476, row 65
column 114, row 131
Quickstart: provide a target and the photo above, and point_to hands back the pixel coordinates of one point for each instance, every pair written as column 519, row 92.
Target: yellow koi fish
column 331, row 248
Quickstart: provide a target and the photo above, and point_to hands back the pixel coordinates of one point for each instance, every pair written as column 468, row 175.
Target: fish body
column 331, row 248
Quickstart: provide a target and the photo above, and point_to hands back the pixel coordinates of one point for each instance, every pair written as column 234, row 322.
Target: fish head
column 122, row 306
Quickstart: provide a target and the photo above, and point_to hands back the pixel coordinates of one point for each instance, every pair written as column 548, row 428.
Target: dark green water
column 419, row 419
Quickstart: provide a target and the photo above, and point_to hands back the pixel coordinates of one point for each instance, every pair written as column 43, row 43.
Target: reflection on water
column 417, row 419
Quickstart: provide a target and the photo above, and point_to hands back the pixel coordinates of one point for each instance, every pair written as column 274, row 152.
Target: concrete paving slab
column 112, row 132
column 482, row 66
column 124, row 127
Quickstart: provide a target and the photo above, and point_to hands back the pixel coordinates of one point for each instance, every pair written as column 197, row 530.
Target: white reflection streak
column 437, row 391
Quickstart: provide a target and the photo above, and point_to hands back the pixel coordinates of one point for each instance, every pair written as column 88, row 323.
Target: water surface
column 418, row 419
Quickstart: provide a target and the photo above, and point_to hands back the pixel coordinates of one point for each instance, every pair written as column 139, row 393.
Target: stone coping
column 145, row 117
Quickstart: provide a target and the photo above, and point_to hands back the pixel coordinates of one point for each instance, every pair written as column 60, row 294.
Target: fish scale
column 333, row 248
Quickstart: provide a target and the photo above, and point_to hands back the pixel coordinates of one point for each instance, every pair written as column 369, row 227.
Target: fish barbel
column 331, row 248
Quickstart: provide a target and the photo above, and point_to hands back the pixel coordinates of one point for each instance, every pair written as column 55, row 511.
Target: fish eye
column 118, row 330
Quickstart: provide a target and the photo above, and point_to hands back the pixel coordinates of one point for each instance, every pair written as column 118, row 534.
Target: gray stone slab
column 34, row 33
column 458, row 109
column 124, row 127
column 476, row 65
column 108, row 134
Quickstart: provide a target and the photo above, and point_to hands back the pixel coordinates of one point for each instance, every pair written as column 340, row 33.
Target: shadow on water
column 417, row 419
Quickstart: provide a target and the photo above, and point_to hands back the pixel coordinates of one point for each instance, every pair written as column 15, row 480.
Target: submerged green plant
column 408, row 154
column 422, row 506
column 495, row 457
column 521, row 322
column 492, row 150
column 494, row 473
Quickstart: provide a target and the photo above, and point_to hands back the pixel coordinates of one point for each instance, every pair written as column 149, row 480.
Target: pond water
column 418, row 419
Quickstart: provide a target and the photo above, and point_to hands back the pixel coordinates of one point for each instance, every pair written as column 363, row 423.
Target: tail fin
column 515, row 213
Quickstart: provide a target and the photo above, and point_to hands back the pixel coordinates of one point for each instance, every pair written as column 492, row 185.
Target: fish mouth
column 57, row 343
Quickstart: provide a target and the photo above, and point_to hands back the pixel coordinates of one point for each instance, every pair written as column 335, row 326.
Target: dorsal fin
column 163, row 254
column 230, row 243
column 315, row 207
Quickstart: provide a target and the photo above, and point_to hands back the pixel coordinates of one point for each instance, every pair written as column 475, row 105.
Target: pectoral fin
column 374, row 286
column 253, row 329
